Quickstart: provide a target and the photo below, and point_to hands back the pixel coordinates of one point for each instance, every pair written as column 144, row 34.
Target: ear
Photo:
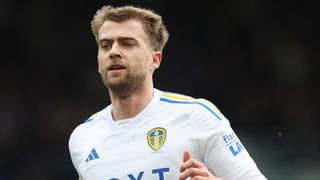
column 156, row 59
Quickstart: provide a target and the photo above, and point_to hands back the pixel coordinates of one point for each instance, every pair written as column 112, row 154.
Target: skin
column 126, row 45
column 126, row 64
column 194, row 170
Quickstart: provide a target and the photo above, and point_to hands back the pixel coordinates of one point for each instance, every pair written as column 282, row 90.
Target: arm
column 224, row 154
column 219, row 149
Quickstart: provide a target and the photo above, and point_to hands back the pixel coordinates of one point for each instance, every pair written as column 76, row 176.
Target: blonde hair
column 151, row 22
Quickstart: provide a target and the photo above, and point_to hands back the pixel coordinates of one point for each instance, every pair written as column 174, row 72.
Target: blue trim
column 192, row 102
column 88, row 120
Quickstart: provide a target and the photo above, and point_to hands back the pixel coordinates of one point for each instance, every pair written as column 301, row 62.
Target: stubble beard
column 125, row 86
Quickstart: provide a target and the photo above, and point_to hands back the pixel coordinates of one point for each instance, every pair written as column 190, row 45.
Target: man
column 146, row 133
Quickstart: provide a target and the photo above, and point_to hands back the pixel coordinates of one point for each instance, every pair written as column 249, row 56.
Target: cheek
column 148, row 64
column 101, row 65
column 145, row 64
column 101, row 60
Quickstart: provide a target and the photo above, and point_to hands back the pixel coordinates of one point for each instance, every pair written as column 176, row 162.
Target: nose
column 115, row 51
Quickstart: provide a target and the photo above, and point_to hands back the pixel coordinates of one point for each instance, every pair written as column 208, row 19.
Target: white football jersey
column 151, row 144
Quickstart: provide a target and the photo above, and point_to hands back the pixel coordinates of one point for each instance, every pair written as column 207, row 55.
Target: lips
column 116, row 67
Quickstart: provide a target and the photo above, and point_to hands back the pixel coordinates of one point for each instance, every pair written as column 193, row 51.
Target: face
column 126, row 59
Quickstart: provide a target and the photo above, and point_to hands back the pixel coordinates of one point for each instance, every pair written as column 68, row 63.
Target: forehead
column 130, row 28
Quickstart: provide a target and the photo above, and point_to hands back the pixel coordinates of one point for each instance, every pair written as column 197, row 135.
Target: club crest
column 156, row 138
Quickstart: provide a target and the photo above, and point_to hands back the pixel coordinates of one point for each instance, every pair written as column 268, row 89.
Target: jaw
column 127, row 85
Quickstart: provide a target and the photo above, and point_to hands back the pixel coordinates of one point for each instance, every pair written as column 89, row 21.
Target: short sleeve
column 220, row 149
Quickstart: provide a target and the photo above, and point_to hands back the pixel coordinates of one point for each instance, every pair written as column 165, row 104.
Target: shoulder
column 87, row 126
column 196, row 107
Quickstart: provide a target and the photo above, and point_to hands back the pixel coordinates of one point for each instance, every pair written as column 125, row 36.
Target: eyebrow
column 118, row 38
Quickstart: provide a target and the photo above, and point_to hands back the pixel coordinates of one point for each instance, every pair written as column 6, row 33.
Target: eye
column 128, row 44
column 105, row 45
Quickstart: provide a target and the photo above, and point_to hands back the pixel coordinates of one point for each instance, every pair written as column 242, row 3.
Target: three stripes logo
column 92, row 156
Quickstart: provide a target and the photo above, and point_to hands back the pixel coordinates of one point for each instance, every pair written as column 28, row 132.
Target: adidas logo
column 92, row 156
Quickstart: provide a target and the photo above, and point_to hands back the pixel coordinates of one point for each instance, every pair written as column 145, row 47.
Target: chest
column 151, row 149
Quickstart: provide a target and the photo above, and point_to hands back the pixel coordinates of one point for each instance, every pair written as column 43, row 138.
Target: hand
column 194, row 169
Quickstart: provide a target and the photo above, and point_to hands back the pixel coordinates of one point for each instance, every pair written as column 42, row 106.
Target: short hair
column 151, row 22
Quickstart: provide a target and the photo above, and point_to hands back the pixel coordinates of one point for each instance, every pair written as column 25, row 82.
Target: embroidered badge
column 156, row 138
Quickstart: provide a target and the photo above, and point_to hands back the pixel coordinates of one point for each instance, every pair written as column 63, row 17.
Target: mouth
column 116, row 67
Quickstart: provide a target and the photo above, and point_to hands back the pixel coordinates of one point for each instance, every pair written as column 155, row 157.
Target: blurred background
column 256, row 60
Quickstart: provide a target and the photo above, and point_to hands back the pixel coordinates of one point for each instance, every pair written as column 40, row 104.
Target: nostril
column 114, row 54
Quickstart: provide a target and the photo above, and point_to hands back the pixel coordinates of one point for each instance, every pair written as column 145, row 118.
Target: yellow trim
column 212, row 106
column 188, row 98
column 94, row 115
column 177, row 96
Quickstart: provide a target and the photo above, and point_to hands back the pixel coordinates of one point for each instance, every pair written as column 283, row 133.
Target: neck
column 130, row 106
